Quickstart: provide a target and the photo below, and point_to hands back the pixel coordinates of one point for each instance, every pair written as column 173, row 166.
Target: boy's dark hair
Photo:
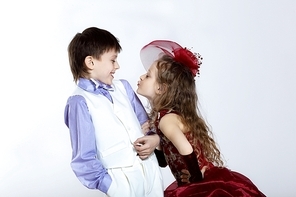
column 91, row 42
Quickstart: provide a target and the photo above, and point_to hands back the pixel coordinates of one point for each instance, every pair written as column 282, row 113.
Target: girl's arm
column 172, row 128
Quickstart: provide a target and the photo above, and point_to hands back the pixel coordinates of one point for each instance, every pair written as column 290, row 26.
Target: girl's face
column 104, row 69
column 147, row 86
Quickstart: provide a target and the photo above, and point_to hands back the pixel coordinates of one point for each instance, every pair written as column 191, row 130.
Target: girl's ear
column 89, row 62
column 161, row 88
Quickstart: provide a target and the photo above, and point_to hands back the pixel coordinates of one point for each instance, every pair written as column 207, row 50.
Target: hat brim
column 155, row 49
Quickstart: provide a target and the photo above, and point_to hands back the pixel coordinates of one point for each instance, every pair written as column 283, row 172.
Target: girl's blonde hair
column 179, row 93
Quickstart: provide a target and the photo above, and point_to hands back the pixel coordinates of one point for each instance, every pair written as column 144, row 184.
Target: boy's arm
column 135, row 102
column 88, row 169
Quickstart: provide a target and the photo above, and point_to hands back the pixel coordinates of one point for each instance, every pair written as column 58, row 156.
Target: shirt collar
column 91, row 85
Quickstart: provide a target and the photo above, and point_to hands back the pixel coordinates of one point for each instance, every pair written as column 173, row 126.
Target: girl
column 186, row 140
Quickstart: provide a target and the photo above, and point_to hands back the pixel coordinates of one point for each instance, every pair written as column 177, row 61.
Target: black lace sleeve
column 160, row 158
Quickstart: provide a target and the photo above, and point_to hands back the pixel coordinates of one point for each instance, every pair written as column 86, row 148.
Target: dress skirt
column 217, row 182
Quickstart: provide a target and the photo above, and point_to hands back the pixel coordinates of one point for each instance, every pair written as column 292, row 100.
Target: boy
column 104, row 117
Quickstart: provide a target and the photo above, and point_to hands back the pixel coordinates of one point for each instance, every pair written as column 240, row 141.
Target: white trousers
column 143, row 179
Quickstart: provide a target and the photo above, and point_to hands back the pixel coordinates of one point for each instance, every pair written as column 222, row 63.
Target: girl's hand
column 146, row 145
column 186, row 175
column 145, row 127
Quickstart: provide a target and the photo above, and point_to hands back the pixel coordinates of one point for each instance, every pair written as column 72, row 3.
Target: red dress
column 217, row 182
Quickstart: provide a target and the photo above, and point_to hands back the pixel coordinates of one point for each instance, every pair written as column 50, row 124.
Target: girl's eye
column 147, row 76
column 113, row 61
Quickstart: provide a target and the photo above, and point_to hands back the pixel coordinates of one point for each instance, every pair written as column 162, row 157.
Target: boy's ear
column 89, row 62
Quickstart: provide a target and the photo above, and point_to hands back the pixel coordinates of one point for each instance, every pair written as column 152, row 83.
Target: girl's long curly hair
column 179, row 93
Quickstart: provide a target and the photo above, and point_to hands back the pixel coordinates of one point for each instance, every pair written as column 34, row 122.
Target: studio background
column 246, row 86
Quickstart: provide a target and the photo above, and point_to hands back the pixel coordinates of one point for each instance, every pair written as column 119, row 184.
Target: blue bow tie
column 103, row 89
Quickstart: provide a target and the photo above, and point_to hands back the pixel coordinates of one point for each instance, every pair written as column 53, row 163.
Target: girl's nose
column 141, row 77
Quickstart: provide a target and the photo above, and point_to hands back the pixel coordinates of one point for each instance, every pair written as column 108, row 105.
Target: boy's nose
column 117, row 65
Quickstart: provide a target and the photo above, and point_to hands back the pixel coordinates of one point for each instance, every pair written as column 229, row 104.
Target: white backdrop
column 246, row 87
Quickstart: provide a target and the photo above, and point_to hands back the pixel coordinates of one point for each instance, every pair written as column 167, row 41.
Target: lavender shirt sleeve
column 135, row 102
column 88, row 169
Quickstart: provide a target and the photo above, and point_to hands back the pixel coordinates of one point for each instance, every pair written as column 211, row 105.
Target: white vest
column 116, row 126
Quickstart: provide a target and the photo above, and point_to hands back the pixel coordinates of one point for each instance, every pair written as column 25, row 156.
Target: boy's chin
column 109, row 82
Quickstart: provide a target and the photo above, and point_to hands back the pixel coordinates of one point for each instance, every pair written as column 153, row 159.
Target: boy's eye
column 147, row 76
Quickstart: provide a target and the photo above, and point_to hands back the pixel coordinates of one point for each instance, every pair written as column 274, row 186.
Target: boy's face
column 105, row 68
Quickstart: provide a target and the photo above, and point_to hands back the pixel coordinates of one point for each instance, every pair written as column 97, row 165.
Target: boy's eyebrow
column 114, row 56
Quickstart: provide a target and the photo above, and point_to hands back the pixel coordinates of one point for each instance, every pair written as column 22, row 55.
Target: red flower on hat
column 188, row 59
